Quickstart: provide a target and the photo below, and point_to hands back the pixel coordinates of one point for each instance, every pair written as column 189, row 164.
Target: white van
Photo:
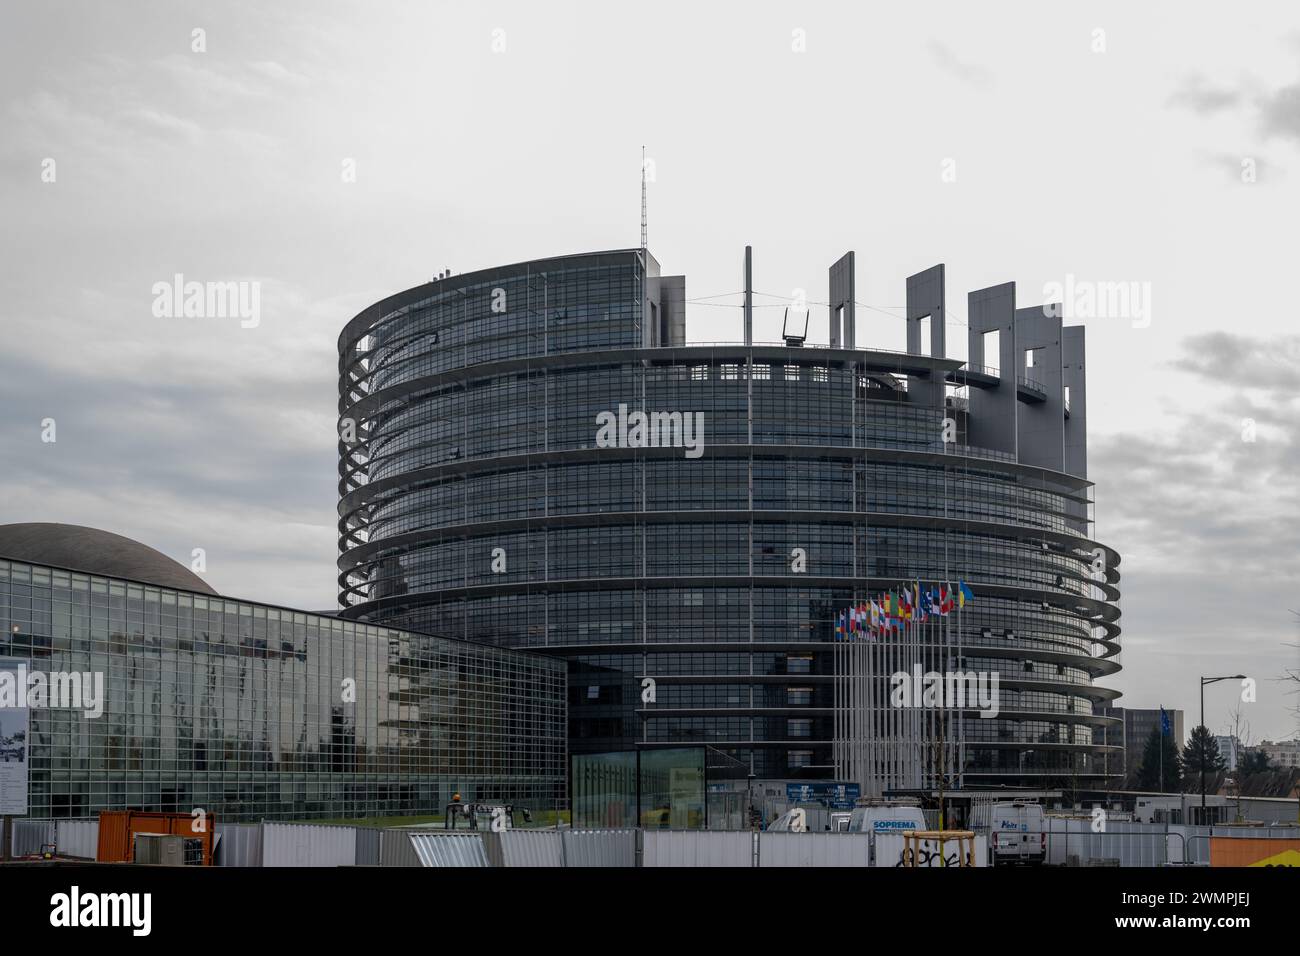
column 1017, row 833
column 886, row 817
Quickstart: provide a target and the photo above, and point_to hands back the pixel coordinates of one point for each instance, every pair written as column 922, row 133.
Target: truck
column 1017, row 834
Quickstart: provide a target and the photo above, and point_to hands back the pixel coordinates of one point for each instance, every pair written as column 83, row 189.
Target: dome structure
column 92, row 551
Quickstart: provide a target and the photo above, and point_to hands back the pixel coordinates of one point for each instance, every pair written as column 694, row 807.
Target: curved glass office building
column 534, row 456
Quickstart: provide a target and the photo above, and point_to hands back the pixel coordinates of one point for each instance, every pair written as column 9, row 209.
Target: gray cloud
column 1208, row 524
column 244, row 473
column 1271, row 363
column 1276, row 112
column 1196, row 96
column 972, row 74
column 1280, row 112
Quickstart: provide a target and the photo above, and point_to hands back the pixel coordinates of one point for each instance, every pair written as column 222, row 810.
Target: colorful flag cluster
column 890, row 612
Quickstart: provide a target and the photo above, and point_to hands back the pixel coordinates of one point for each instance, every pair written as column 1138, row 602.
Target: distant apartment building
column 1283, row 754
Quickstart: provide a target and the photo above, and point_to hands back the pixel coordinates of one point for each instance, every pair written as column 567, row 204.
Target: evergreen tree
column 1202, row 751
column 1253, row 762
column 1148, row 775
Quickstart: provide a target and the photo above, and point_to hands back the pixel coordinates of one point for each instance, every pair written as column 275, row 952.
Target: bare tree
column 1239, row 733
column 1292, row 674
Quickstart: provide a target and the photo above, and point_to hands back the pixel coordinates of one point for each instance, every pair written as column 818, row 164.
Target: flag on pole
column 964, row 594
column 1164, row 722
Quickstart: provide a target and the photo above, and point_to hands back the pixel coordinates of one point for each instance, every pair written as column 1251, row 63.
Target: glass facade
column 669, row 787
column 478, row 503
column 256, row 712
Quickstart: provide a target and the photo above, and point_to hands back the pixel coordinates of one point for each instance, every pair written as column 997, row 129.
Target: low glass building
column 253, row 712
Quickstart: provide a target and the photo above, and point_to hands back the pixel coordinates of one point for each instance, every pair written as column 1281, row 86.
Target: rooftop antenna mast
column 643, row 221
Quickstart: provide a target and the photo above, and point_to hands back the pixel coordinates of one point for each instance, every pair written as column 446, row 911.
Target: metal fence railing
column 1069, row 842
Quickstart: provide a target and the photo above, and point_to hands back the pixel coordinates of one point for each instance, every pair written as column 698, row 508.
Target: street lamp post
column 1204, row 681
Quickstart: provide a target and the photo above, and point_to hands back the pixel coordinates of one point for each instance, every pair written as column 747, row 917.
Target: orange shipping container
column 1254, row 851
column 117, row 830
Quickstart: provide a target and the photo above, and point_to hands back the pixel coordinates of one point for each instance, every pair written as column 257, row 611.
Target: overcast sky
column 1163, row 150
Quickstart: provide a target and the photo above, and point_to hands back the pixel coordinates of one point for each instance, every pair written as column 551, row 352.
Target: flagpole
column 888, row 713
column 918, row 719
column 927, row 663
column 849, row 729
column 846, row 713
column 855, row 653
column 900, row 727
column 955, row 661
column 843, row 685
column 846, row 730
column 835, row 701
column 900, row 731
column 839, row 708
column 889, row 735
column 897, row 713
column 961, row 724
column 859, row 748
column 851, row 680
column 846, row 660
column 914, row 731
column 881, row 666
column 940, row 667
column 877, row 725
column 868, row 730
column 914, row 728
column 918, row 715
column 959, row 757
column 857, row 715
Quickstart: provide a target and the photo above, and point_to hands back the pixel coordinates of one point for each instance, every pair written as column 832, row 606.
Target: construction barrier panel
column 599, row 847
column 308, row 844
column 239, row 844
column 77, row 838
column 814, row 849
column 1253, row 851
column 698, row 848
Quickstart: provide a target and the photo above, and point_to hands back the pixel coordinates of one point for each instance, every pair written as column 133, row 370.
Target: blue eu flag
column 1164, row 723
